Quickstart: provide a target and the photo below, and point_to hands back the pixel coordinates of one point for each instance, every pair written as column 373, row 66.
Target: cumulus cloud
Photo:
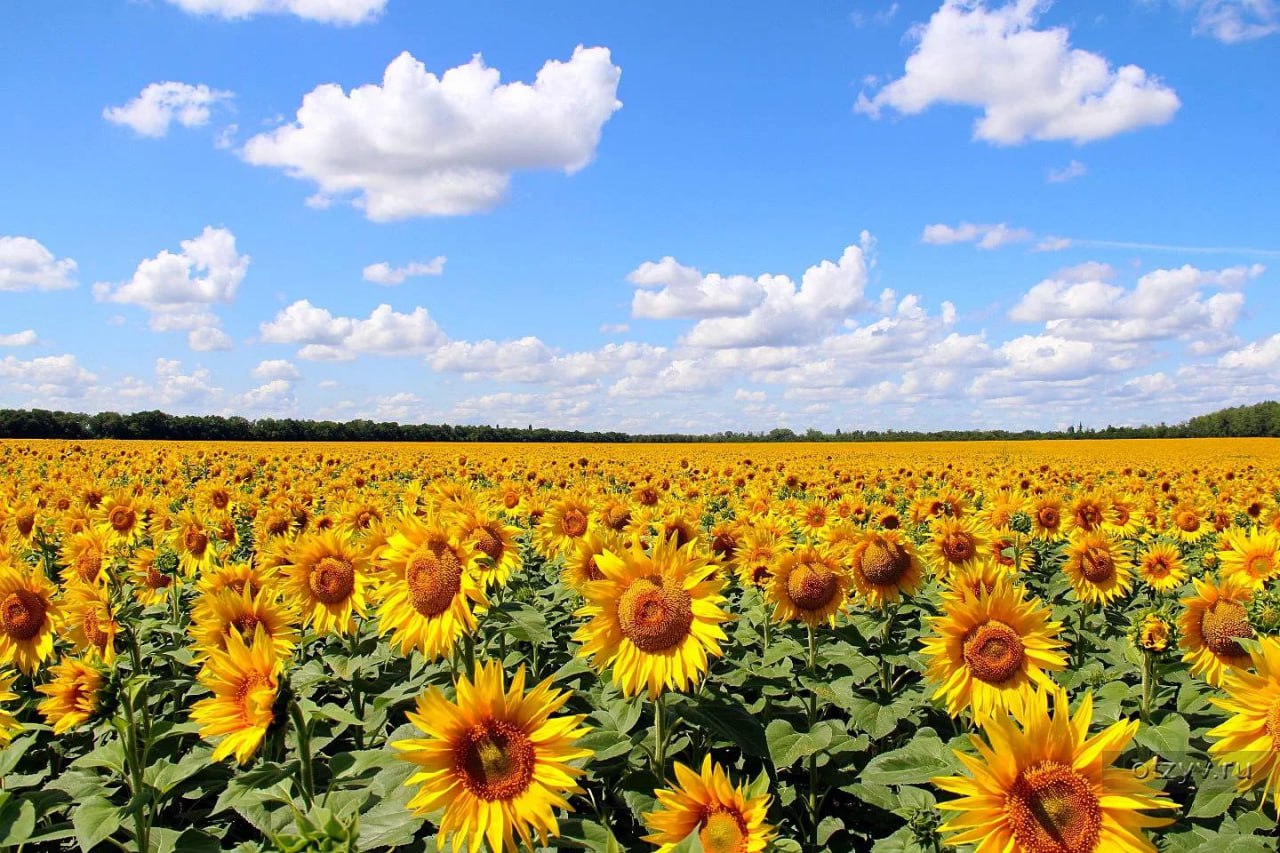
column 528, row 359
column 685, row 292
column 385, row 274
column 177, row 289
column 25, row 338
column 1029, row 83
column 275, row 368
column 324, row 337
column 781, row 311
column 985, row 236
column 323, row 11
column 45, row 379
column 1263, row 355
column 159, row 105
column 25, row 264
column 422, row 145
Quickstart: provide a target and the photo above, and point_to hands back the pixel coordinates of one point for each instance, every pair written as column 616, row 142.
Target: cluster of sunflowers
column 724, row 648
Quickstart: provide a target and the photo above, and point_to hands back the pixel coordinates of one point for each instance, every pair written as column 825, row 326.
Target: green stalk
column 1148, row 684
column 813, row 758
column 306, row 776
column 659, row 737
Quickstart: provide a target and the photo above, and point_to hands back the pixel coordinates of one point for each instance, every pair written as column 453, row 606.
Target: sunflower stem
column 1148, row 684
column 306, row 778
column 659, row 737
column 814, row 807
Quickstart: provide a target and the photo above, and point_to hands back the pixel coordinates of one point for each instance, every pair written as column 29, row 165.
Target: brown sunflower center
column 489, row 544
column 593, row 570
column 88, row 566
column 122, row 519
column 760, row 575
column 332, row 580
column 26, row 523
column 1158, row 568
column 495, row 760
column 1188, row 521
column 574, row 523
column 812, row 587
column 195, row 541
column 245, row 623
column 617, row 517
column 958, row 546
column 277, row 524
column 1048, row 517
column 653, row 615
column 1053, row 809
column 221, row 499
column 434, row 579
column 723, row 831
column 884, row 563
column 724, row 545
column 1122, row 514
column 1089, row 517
column 24, row 614
column 994, row 652
column 1224, row 623
column 157, row 579
column 1273, row 724
column 94, row 634
column 1097, row 565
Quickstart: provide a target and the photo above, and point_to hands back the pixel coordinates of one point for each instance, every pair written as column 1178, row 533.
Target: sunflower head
column 809, row 585
column 726, row 818
column 884, row 567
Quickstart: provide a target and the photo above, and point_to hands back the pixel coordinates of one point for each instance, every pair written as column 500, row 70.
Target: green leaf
column 17, row 822
column 95, row 820
column 787, row 746
column 1214, row 795
column 914, row 764
column 729, row 721
column 1168, row 740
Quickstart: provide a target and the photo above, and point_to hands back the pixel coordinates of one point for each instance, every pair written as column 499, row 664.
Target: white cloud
column 750, row 396
column 161, row 104
column 323, row 11
column 385, row 274
column 1029, row 83
column 986, row 236
column 274, row 397
column 25, row 338
column 47, row 379
column 25, row 264
column 530, row 360
column 1256, row 356
column 275, row 368
column 1071, row 171
column 208, row 339
column 1053, row 244
column 686, row 292
column 614, row 328
column 325, row 337
column 422, row 145
column 177, row 289
column 1233, row 21
column 784, row 312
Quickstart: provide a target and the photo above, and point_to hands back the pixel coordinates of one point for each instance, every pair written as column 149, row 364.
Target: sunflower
column 9, row 726
column 84, row 558
column 1189, row 522
column 1161, row 568
column 654, row 617
column 120, row 518
column 216, row 615
column 999, row 511
column 728, row 819
column 494, row 543
column 809, row 584
column 1046, row 519
column 327, row 576
column 193, row 537
column 1010, row 552
column 74, row 694
column 239, row 576
column 1252, row 555
column 884, row 567
column 244, row 680
column 1088, row 512
column 90, row 625
column 1249, row 739
column 23, row 519
column 1214, row 620
column 1124, row 519
column 580, row 563
column 495, row 760
column 989, row 651
column 151, row 584
column 29, row 617
column 956, row 543
column 1041, row 785
column 428, row 590
column 567, row 519
column 757, row 551
column 1097, row 568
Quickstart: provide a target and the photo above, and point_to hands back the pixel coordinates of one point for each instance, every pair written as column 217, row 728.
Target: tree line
column 1261, row 419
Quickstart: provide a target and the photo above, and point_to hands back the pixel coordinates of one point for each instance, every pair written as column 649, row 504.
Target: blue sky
column 683, row 217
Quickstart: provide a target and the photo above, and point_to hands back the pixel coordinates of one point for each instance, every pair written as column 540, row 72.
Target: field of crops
column 1049, row 647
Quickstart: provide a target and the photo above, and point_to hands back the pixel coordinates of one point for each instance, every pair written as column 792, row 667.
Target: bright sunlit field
column 1041, row 646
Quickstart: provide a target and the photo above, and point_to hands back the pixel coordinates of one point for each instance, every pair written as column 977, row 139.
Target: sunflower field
column 1054, row 647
